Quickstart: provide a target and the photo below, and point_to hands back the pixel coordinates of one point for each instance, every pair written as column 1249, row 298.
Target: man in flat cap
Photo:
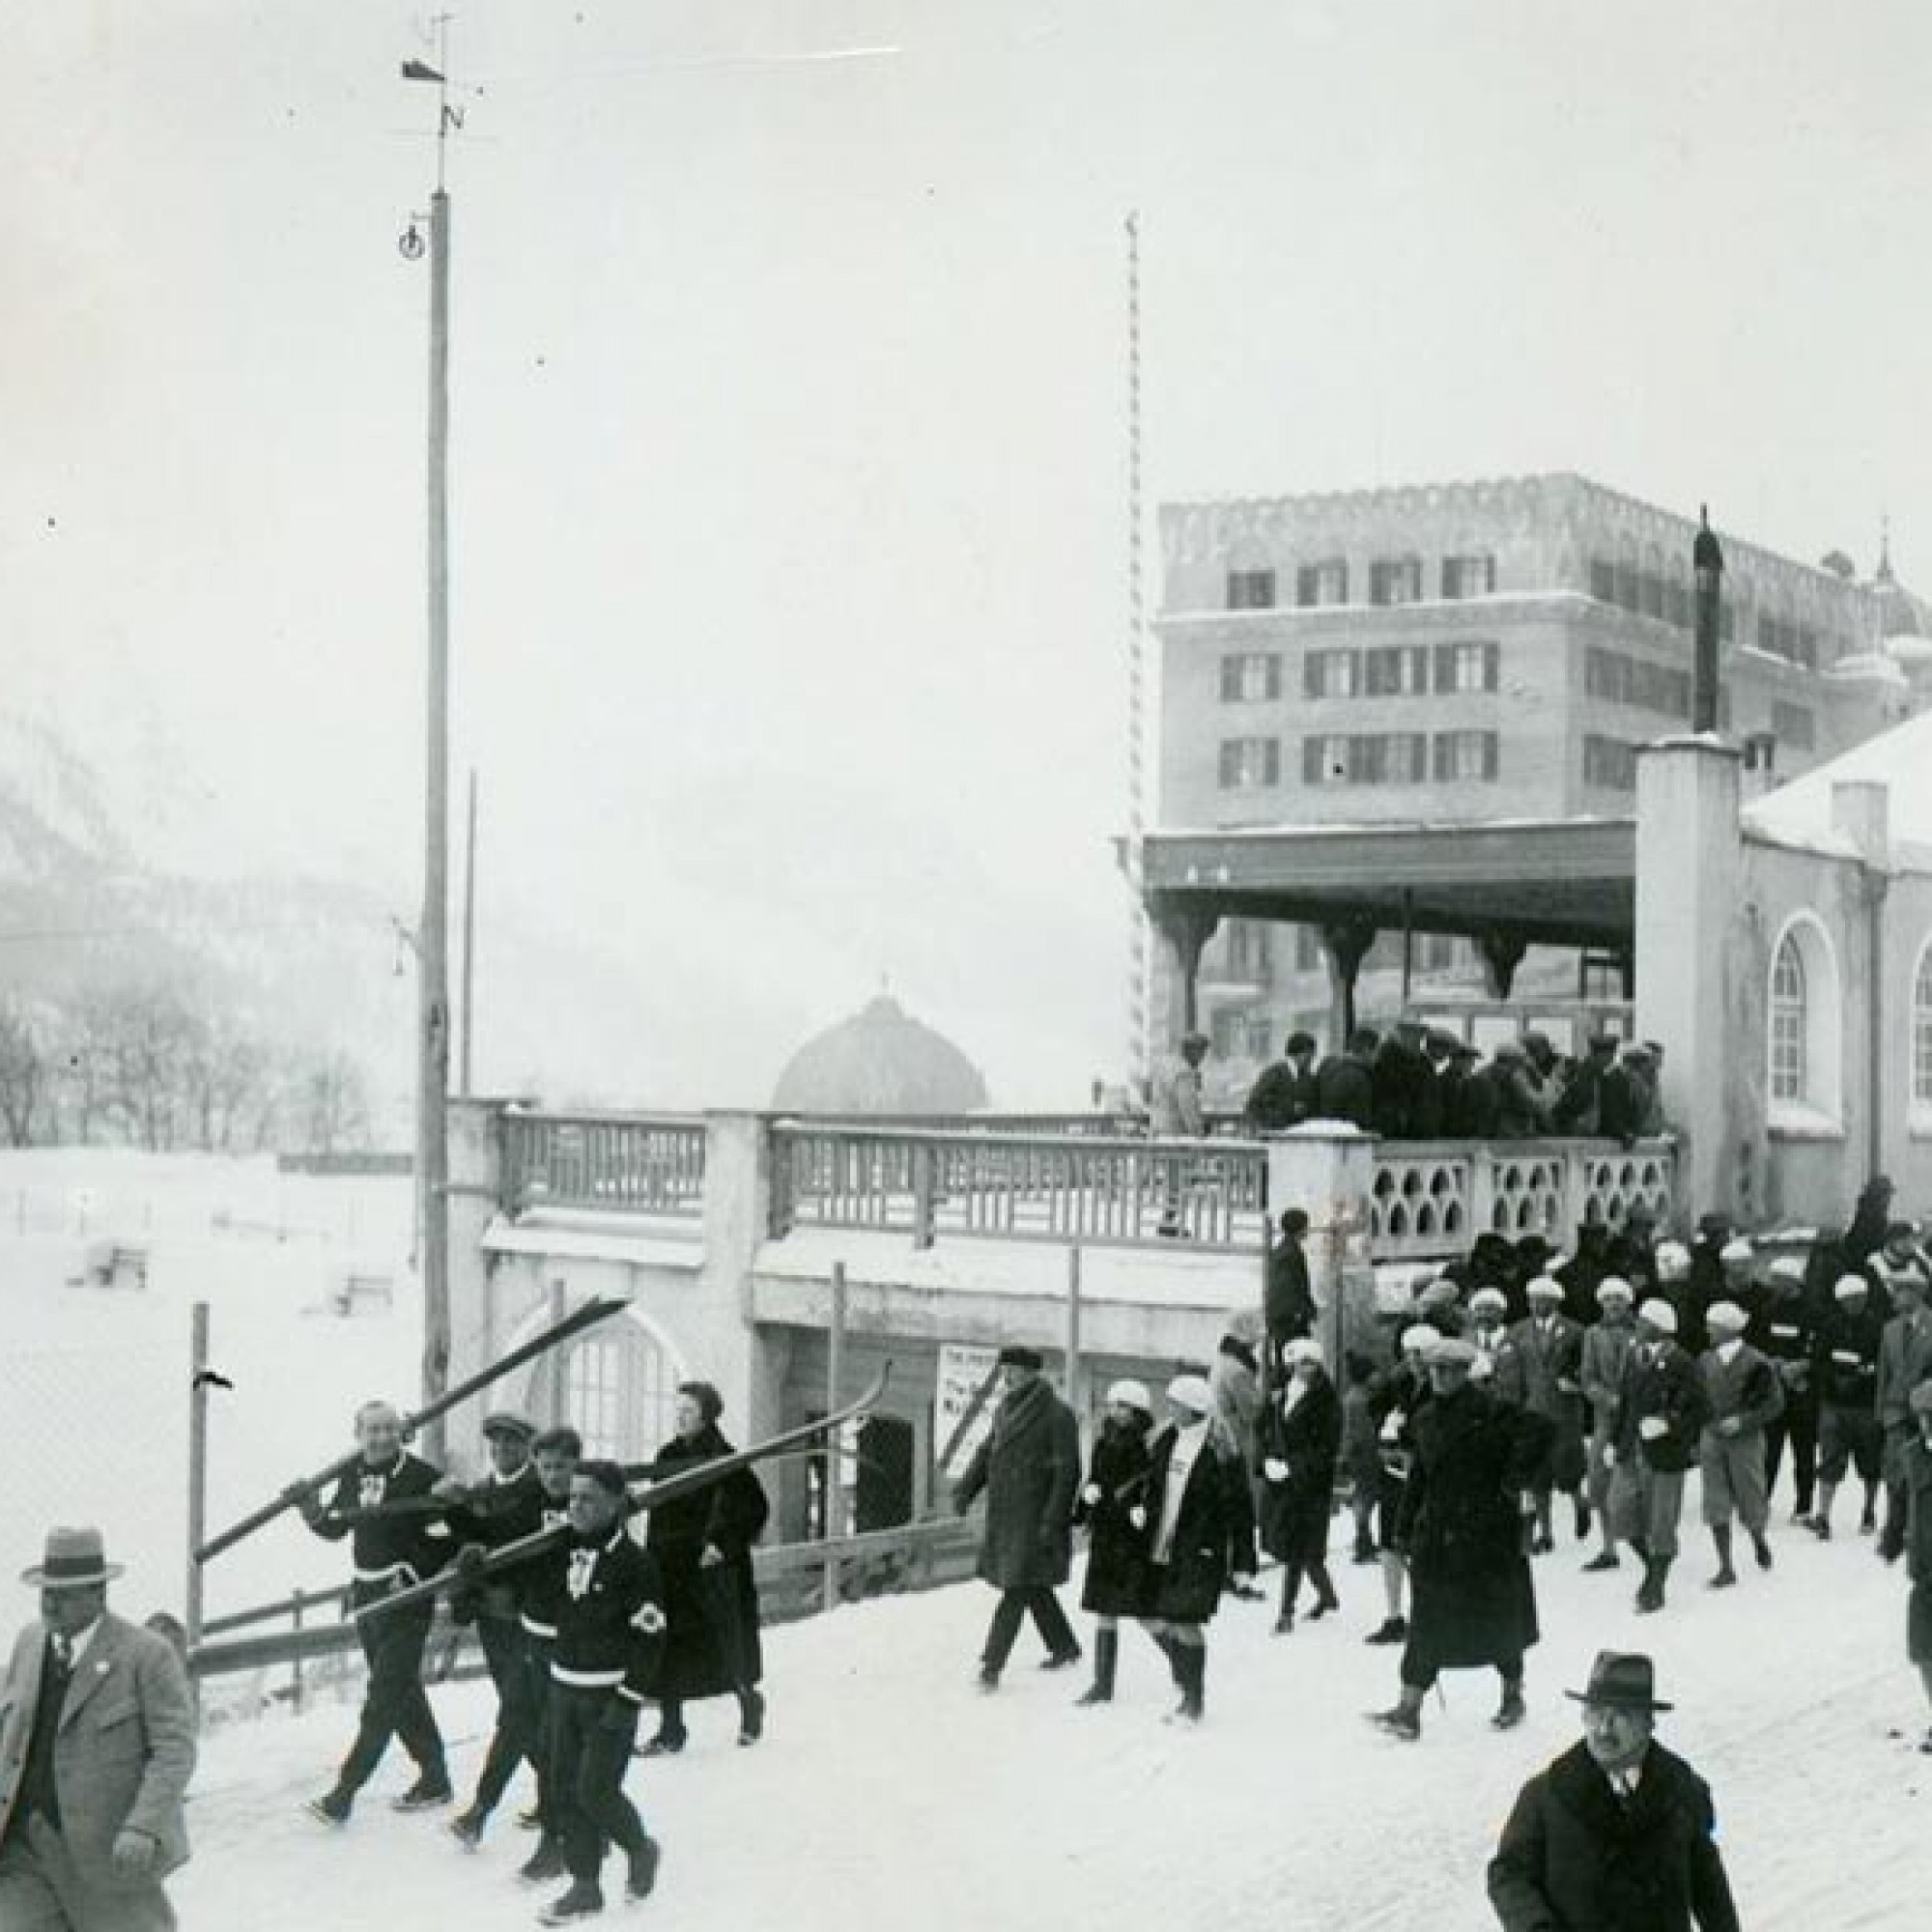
column 1618, row 1832
column 1029, row 1467
column 505, row 1506
column 97, row 1747
column 1462, row 1524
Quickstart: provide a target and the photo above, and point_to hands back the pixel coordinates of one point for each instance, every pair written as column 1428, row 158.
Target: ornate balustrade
column 1433, row 1198
column 628, row 1163
column 1055, row 1188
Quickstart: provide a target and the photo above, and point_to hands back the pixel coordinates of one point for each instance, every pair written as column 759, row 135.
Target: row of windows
column 1401, row 671
column 1797, row 643
column 1392, row 579
column 1647, row 593
column 1609, row 763
column 1627, row 680
column 1365, row 757
column 1248, row 950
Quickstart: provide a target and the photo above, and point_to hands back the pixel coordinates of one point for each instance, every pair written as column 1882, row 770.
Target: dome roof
column 881, row 1060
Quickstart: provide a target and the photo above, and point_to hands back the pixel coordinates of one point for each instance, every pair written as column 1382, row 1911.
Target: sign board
column 963, row 1404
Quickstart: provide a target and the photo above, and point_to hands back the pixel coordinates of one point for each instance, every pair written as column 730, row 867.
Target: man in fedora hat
column 1617, row 1830
column 1029, row 1466
column 97, row 1747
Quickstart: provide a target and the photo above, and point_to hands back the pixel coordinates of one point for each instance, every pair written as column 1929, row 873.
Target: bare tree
column 25, row 1074
column 331, row 1105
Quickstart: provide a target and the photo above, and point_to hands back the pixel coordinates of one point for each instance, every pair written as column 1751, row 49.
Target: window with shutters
column 1250, row 764
column 1473, row 576
column 1466, row 757
column 1329, row 674
column 1245, row 949
column 1251, row 591
column 1467, row 668
column 1323, row 582
column 1395, row 579
column 1395, row 670
column 1250, row 677
column 1609, row 763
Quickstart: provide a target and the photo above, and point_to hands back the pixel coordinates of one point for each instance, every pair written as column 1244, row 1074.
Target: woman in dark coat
column 1187, row 1515
column 703, row 1545
column 1301, row 1439
column 1462, row 1525
column 1113, row 1511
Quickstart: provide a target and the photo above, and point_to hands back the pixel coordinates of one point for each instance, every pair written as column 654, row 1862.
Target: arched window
column 1803, row 1051
column 1922, row 1030
column 1787, row 1022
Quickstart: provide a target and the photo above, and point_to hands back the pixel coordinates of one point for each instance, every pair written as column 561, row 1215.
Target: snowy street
column 890, row 1793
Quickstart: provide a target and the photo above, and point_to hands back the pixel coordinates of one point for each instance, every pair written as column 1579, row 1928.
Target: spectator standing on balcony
column 392, row 1548
column 1113, row 1509
column 1578, row 1108
column 1782, row 1330
column 1468, row 1101
column 1606, row 1347
column 1300, row 1438
column 1660, row 1409
column 1028, row 1468
column 1744, row 1396
column 1403, row 1081
column 1289, row 1311
column 1850, row 1340
column 1520, row 1109
column 1188, row 1487
column 1540, row 1367
column 1178, row 1113
column 1235, row 1381
column 1462, row 1527
column 1904, row 1361
column 703, row 1544
column 1640, row 1072
column 1344, row 1085
column 1284, row 1097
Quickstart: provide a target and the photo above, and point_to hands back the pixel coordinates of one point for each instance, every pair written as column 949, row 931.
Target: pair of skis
column 653, row 1495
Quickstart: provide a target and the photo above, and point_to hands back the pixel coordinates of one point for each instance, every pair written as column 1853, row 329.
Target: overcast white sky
column 789, row 456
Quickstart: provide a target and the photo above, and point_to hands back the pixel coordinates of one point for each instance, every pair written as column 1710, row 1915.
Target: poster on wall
column 963, row 1403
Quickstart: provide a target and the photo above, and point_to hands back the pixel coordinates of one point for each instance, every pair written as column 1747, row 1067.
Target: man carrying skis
column 381, row 1502
column 609, row 1643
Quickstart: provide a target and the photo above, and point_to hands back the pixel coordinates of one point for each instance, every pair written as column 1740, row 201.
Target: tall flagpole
column 1139, row 1058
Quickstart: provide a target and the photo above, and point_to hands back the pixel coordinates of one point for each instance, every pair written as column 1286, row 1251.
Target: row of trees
column 157, row 1067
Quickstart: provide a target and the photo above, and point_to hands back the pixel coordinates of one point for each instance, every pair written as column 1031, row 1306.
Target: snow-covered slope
column 890, row 1793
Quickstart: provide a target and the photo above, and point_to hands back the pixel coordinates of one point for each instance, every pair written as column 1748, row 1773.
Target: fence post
column 922, row 1194
column 197, row 1468
column 1076, row 1375
column 835, row 1487
column 296, row 1662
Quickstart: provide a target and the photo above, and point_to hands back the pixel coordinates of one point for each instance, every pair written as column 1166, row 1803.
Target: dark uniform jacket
column 1848, row 1351
column 1783, row 1332
column 1746, row 1387
column 1577, row 1858
column 1283, row 1097
column 386, row 1550
column 610, row 1614
column 1669, row 1385
column 494, row 1513
column 1344, row 1090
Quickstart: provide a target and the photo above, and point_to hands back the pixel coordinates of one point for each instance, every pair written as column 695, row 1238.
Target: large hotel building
column 1470, row 652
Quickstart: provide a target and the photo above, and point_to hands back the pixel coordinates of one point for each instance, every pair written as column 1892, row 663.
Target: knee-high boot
column 1106, row 1658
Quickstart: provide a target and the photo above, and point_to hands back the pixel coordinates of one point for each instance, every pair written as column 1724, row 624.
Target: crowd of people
column 1516, row 1378
column 1415, row 1082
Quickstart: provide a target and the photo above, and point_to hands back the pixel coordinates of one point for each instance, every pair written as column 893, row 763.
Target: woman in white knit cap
column 1187, row 1536
column 1112, row 1508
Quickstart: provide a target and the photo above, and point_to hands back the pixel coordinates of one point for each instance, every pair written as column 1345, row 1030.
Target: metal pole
column 1075, row 1373
column 835, row 1490
column 197, row 1468
column 469, row 942
column 432, row 938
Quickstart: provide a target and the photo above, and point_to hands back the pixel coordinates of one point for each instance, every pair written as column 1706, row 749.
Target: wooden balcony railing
column 638, row 1164
column 1056, row 1188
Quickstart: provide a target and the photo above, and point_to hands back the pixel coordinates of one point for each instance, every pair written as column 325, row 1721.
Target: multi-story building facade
column 1471, row 652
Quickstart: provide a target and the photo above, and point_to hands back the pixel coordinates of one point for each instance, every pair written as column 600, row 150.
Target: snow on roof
column 1899, row 759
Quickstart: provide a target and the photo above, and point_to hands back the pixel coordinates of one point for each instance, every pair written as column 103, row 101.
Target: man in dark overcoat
column 1028, row 1468
column 1472, row 1602
column 1618, row 1832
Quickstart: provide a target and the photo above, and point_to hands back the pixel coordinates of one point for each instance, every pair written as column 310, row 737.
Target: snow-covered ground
column 889, row 1793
